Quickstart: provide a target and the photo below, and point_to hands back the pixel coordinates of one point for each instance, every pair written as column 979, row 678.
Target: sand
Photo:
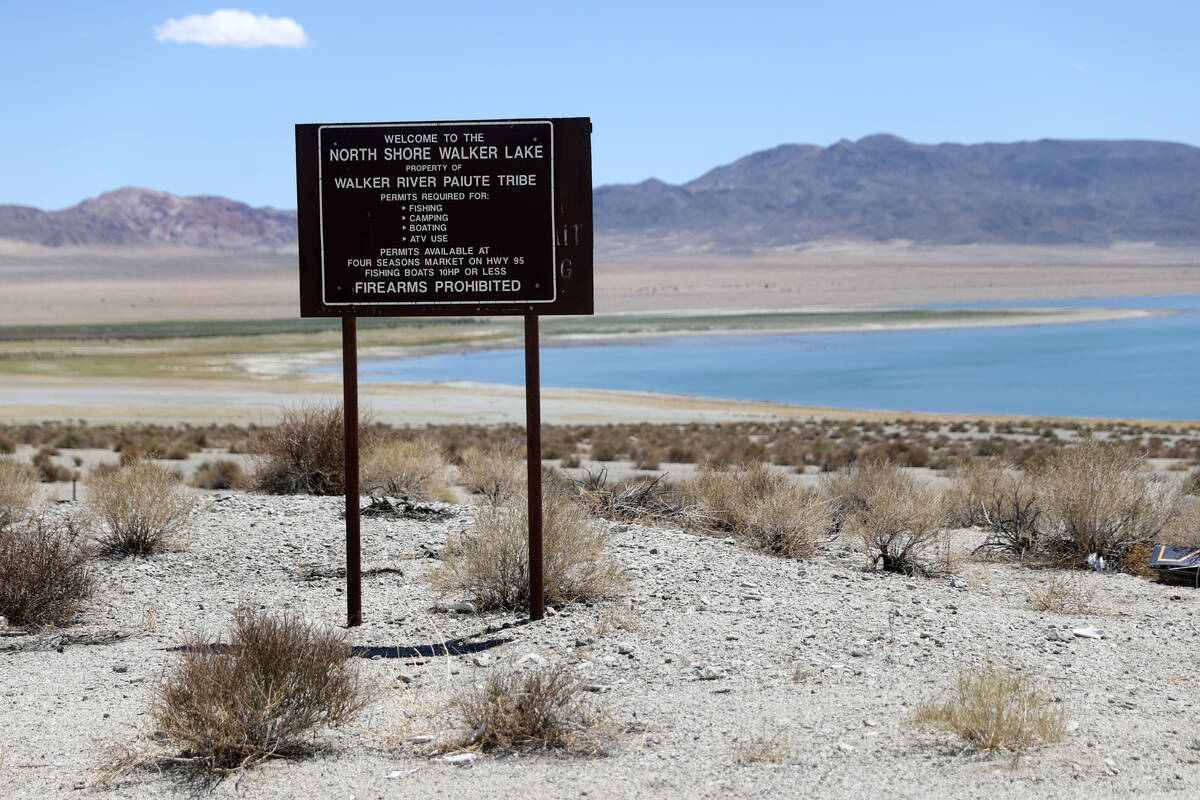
column 713, row 650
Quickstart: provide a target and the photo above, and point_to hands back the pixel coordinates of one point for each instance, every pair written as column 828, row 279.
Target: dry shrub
column 498, row 472
column 1012, row 515
column 540, row 708
column 491, row 563
column 972, row 487
column 631, row 501
column 262, row 695
column 18, row 485
column 142, row 506
column 995, row 710
column 848, row 491
column 1099, row 498
column 899, row 520
column 414, row 469
column 761, row 505
column 49, row 471
column 1061, row 594
column 306, row 452
column 1185, row 528
column 8, row 445
column 44, row 575
column 220, row 474
column 1191, row 483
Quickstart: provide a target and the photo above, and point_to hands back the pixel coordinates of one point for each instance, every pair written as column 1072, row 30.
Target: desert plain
column 725, row 671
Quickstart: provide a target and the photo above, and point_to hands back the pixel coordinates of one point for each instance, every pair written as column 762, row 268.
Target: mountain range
column 878, row 188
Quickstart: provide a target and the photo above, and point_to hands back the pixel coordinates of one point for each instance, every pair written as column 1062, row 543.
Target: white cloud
column 233, row 28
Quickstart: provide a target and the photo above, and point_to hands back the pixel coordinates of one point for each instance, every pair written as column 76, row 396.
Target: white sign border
column 553, row 224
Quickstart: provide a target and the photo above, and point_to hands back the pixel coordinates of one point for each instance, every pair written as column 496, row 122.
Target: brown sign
column 445, row 218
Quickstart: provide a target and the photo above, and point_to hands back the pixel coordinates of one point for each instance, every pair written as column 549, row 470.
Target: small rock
column 1110, row 767
column 460, row 759
column 624, row 648
column 422, row 739
column 1055, row 635
column 845, row 747
column 400, row 773
column 550, row 611
column 1088, row 633
column 532, row 658
column 598, row 688
column 122, row 667
column 704, row 672
column 1072, row 725
column 482, row 660
column 958, row 583
column 455, row 608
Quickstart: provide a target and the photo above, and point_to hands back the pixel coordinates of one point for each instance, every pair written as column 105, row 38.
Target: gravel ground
column 715, row 649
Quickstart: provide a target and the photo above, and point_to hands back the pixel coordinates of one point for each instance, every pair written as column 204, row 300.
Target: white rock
column 460, row 758
column 1088, row 633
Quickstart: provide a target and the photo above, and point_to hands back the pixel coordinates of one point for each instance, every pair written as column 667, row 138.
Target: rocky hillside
column 878, row 188
column 882, row 187
column 133, row 217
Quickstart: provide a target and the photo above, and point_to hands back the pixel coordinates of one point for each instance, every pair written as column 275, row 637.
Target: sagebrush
column 304, row 453
column 538, row 708
column 491, row 562
column 1100, row 498
column 899, row 520
column 761, row 505
column 45, row 578
column 262, row 694
column 18, row 486
column 140, row 507
column 415, row 469
column 498, row 471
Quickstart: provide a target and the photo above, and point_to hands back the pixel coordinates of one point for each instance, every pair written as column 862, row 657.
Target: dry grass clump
column 995, row 710
column 757, row 503
column 142, row 506
column 899, row 520
column 764, row 747
column 540, row 708
column 1061, row 594
column 415, row 469
column 18, row 484
column 497, row 471
column 1100, row 499
column 491, row 563
column 220, row 474
column 305, row 452
column 44, row 575
column 262, row 695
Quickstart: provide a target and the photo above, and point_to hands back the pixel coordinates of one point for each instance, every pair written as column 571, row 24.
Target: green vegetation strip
column 613, row 324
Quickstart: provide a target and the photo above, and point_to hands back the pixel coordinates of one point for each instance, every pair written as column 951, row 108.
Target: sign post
column 465, row 218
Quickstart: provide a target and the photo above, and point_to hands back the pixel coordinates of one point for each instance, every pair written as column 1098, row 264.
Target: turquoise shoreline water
column 1139, row 368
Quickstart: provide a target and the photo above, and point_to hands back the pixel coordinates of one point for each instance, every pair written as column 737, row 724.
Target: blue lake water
column 1142, row 368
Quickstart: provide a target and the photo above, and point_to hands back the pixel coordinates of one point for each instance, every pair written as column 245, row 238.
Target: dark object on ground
column 382, row 507
column 1177, row 561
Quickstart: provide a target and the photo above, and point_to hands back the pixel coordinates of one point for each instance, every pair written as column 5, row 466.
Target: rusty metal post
column 350, row 424
column 533, row 442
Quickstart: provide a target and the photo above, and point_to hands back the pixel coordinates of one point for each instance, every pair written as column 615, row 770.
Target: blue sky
column 98, row 95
